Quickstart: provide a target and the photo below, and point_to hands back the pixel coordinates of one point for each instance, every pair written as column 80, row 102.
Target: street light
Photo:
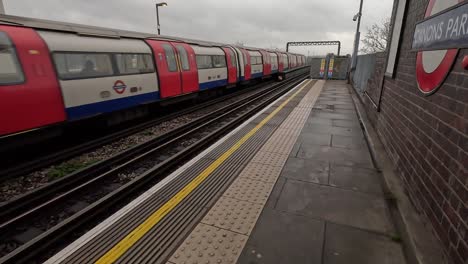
column 157, row 15
column 357, row 37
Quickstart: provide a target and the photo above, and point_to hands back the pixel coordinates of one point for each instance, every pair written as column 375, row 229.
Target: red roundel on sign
column 119, row 87
column 432, row 67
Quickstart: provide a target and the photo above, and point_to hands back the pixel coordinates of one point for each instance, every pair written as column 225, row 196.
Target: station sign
column 446, row 30
column 437, row 40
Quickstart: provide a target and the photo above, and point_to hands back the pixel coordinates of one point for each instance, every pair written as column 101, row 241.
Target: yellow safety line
column 118, row 250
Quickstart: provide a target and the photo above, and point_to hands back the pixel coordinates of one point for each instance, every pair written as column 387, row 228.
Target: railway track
column 20, row 168
column 167, row 151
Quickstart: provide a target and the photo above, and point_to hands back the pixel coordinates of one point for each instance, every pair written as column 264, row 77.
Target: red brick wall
column 427, row 139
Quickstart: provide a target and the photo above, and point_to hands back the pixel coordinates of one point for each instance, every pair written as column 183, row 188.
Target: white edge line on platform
column 84, row 239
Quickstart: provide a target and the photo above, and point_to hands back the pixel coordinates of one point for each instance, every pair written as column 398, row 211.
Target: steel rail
column 64, row 154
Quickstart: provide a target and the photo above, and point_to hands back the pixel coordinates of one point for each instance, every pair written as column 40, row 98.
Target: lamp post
column 357, row 37
column 157, row 15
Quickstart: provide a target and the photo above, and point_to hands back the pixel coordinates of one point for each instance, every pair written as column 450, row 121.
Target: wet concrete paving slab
column 350, row 157
column 348, row 142
column 280, row 238
column 336, row 205
column 356, row 179
column 345, row 245
column 307, row 170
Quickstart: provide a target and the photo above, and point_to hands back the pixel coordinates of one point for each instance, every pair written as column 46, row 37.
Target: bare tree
column 377, row 37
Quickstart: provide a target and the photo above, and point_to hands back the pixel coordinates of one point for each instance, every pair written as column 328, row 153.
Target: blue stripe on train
column 213, row 84
column 88, row 110
column 257, row 75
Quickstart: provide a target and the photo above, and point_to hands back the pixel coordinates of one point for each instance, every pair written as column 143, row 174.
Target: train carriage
column 30, row 96
column 101, row 75
column 212, row 67
column 256, row 62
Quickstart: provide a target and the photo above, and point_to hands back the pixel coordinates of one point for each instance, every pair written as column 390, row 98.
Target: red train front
column 30, row 96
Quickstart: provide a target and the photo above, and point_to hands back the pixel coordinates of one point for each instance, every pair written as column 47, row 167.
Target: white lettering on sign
column 444, row 31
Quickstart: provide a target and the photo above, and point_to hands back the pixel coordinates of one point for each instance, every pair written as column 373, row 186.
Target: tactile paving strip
column 246, row 197
column 269, row 158
column 233, row 214
column 261, row 172
column 245, row 189
column 209, row 244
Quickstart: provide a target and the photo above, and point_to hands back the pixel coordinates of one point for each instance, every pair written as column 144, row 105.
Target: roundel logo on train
column 119, row 87
column 438, row 39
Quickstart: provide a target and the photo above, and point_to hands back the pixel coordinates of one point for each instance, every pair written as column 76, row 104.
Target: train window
column 183, row 58
column 134, row 63
column 83, row 65
column 10, row 69
column 258, row 60
column 170, row 57
column 204, row 62
column 219, row 61
column 274, row 59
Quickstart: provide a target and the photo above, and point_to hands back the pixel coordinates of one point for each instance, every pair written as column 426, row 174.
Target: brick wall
column 427, row 139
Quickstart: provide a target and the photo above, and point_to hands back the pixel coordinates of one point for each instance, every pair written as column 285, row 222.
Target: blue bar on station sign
column 446, row 30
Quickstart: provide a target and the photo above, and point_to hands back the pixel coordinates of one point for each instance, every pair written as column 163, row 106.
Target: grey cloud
column 259, row 23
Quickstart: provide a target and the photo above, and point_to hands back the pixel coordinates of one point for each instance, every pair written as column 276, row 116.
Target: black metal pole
column 357, row 37
column 157, row 19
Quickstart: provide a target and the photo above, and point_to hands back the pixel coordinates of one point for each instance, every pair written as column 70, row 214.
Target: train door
column 280, row 61
column 247, row 66
column 30, row 95
column 266, row 63
column 167, row 67
column 188, row 67
column 240, row 63
column 231, row 64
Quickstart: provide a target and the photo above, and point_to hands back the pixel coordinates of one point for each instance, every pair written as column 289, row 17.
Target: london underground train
column 55, row 73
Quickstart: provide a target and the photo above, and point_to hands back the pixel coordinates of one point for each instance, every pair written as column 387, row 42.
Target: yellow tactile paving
column 260, row 172
column 244, row 200
column 232, row 214
column 254, row 191
column 209, row 244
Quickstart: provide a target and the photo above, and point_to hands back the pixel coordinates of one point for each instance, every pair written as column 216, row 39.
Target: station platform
column 293, row 184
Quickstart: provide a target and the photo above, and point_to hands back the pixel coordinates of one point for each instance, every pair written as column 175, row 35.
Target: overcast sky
column 259, row 23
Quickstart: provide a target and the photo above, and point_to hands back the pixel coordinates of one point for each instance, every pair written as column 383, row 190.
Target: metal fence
column 364, row 70
column 330, row 67
column 317, row 68
column 339, row 66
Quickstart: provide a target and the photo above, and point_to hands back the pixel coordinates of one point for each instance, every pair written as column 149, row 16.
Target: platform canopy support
column 314, row 43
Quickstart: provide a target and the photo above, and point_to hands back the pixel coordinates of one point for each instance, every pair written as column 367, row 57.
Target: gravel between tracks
column 23, row 184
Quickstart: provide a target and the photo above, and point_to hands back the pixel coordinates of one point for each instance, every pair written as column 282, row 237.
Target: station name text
column 445, row 31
